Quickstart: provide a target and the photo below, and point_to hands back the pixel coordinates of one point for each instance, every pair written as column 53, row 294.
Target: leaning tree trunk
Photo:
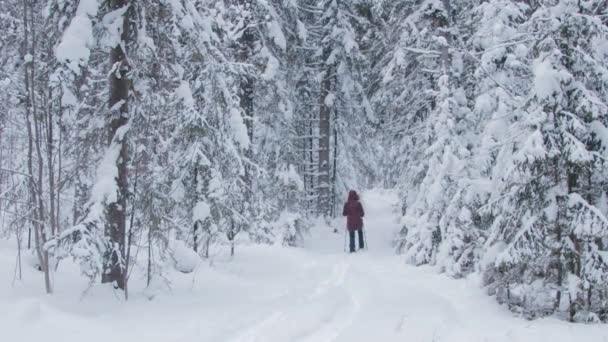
column 114, row 263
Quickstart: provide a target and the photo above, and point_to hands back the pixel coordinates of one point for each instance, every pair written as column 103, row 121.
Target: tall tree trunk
column 246, row 46
column 196, row 223
column 42, row 234
column 59, row 167
column 114, row 268
column 149, row 272
column 245, row 52
column 324, row 134
column 334, row 171
column 310, row 168
column 34, row 133
column 50, row 150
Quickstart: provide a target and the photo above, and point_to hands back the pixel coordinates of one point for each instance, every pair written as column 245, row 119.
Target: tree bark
column 114, row 267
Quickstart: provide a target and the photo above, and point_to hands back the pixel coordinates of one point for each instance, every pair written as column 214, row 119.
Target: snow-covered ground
column 267, row 294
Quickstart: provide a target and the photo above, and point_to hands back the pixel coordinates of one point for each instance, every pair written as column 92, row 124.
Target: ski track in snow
column 274, row 294
column 320, row 323
column 336, row 279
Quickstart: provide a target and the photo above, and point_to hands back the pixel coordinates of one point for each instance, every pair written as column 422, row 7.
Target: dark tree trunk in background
column 114, row 269
column 245, row 52
column 324, row 205
column 334, row 170
column 196, row 223
column 195, row 236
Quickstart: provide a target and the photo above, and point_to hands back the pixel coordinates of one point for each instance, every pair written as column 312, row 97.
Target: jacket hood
column 352, row 196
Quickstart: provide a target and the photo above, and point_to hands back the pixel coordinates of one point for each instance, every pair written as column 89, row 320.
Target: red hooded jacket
column 353, row 210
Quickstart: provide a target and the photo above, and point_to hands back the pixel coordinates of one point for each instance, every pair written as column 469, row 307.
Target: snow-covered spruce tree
column 326, row 99
column 78, row 74
column 493, row 50
column 549, row 229
column 244, row 24
column 343, row 107
column 211, row 133
column 258, row 42
column 404, row 73
column 302, row 92
column 391, row 95
column 433, row 179
column 12, row 187
column 454, row 137
column 97, row 241
column 154, row 214
column 278, row 191
column 355, row 159
column 81, row 70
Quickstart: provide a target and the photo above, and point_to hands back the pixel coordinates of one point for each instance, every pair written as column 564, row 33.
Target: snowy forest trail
column 373, row 295
column 276, row 294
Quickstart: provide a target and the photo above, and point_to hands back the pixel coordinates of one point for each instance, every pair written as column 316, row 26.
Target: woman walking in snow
column 353, row 210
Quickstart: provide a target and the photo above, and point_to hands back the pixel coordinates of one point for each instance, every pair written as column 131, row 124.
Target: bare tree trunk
column 34, row 140
column 42, row 232
column 59, row 165
column 49, row 162
column 114, row 268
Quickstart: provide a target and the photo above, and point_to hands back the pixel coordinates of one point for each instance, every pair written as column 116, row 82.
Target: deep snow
column 269, row 293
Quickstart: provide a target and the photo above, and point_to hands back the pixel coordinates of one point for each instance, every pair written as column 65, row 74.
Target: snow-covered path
column 274, row 294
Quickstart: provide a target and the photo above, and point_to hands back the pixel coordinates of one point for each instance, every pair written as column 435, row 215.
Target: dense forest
column 133, row 130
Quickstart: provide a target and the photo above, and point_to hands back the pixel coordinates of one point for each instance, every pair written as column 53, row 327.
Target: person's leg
column 361, row 242
column 351, row 235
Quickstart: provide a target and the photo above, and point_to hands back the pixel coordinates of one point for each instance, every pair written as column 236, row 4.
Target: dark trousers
column 351, row 234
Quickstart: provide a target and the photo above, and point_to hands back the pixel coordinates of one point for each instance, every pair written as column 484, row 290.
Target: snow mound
column 184, row 259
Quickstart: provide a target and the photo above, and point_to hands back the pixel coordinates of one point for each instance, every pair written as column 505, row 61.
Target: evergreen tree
column 548, row 204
